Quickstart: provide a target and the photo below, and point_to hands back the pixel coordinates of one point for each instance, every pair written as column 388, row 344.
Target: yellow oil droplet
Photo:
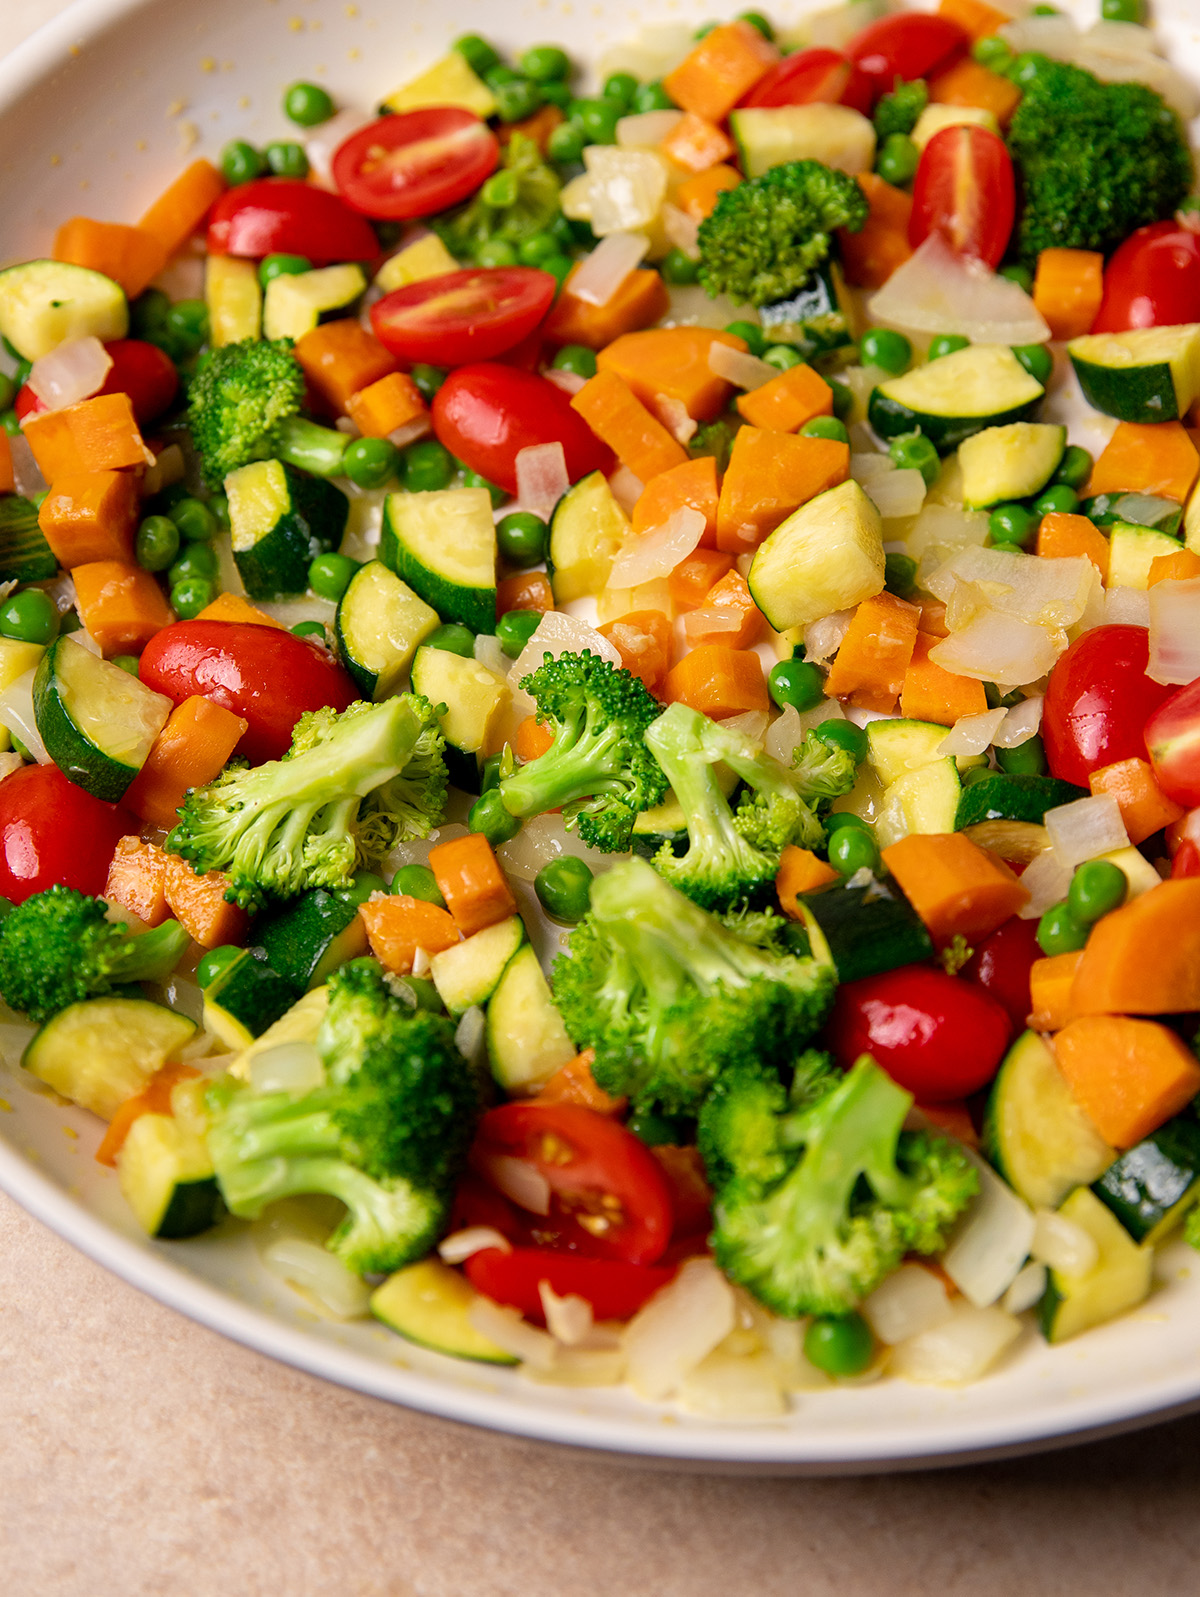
column 69, row 1131
column 56, row 160
column 208, row 64
column 296, row 24
column 6, row 1106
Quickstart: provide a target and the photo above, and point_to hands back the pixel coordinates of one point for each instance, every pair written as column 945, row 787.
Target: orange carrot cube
column 640, row 299
column 90, row 517
column 340, row 358
column 954, row 885
column 1148, row 458
column 232, row 607
column 697, row 196
column 398, row 925
column 693, row 579
column 1062, row 535
column 638, row 439
column 384, row 406
column 728, row 615
column 643, row 640
column 1144, row 807
column 182, row 206
column 1129, row 1075
column 131, row 256
column 121, row 605
column 471, row 881
column 724, row 66
column 190, row 751
column 199, row 904
column 1050, row 991
column 786, row 402
column 137, row 880
column 98, row 434
column 800, row 872
column 718, row 681
column 527, row 590
column 931, row 693
column 696, row 144
column 872, row 663
column 1068, row 288
column 770, row 474
column 1182, row 566
column 870, row 256
column 672, row 363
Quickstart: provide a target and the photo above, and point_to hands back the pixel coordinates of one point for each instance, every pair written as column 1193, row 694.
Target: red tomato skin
column 457, row 178
column 935, row 1035
column 1186, row 861
column 487, row 413
column 810, row 76
column 1153, row 280
column 964, row 189
column 264, row 674
column 283, row 216
column 517, row 299
column 52, row 831
column 1173, row 743
column 615, row 1290
column 138, row 369
column 1098, row 701
column 1001, row 966
column 908, row 45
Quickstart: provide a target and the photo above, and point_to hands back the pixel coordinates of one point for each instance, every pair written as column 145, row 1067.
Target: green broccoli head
column 817, row 1203
column 670, row 996
column 1094, row 160
column 341, row 798
column 898, row 112
column 822, row 771
column 768, row 234
column 58, row 948
column 598, row 770
column 521, row 200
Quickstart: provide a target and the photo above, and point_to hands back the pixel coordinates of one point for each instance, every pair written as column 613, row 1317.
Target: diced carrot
column 1144, row 958
column 800, row 872
column 340, row 358
column 933, row 618
column 728, row 615
column 120, row 604
column 692, row 578
column 639, row 300
column 696, row 144
column 953, row 1120
column 90, row 517
column 692, row 486
column 697, row 196
column 537, row 127
column 1128, row 1075
column 199, row 904
column 1068, row 288
column 527, row 590
column 718, row 681
column 974, row 17
column 723, row 66
column 182, row 206
column 131, row 256
column 137, row 880
column 1149, row 458
column 969, row 83
column 1144, row 807
column 788, row 401
column 574, row 1083
column 1062, row 535
column 643, row 640
column 98, row 434
column 954, row 885
column 232, row 607
column 532, row 739
column 383, row 406
column 770, row 474
column 1179, row 567
column 154, row 1099
column 931, row 693
column 7, row 477
column 672, row 362
column 398, row 925
column 870, row 256
column 1050, row 991
column 469, row 877
column 638, row 439
column 190, row 751
column 873, row 660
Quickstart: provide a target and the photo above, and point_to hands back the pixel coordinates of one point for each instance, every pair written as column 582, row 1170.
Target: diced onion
column 418, row 427
column 320, row 1275
column 16, row 713
column 739, row 367
column 1174, row 631
column 823, row 638
column 468, row 1034
column 545, row 838
column 869, row 465
column 1085, row 829
column 897, row 494
column 626, row 488
column 579, row 1366
column 1048, row 592
column 505, row 1327
column 727, row 1387
column 626, row 189
column 1020, row 723
column 1046, row 880
column 751, row 724
column 1062, row 1245
column 421, row 960
column 472, row 1239
column 1051, row 34
column 558, row 633
column 991, row 1240
column 169, row 468
column 938, row 291
column 9, row 762
column 998, row 648
column 972, row 734
column 653, row 52
column 75, row 370
column 682, row 230
column 909, row 1302
column 568, row 1318
column 659, row 550
column 490, row 652
column 1026, row 1290
column 647, row 129
column 323, row 143
column 517, row 1179
column 714, row 619
column 27, row 474
column 833, row 28
column 784, row 735
column 958, row 1351
column 1126, row 607
column 601, row 273
column 691, row 307
column 679, row 1326
column 541, row 477
column 287, row 1067
column 569, row 382
column 674, row 416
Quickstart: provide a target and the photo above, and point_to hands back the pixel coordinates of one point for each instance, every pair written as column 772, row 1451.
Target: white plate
column 95, row 115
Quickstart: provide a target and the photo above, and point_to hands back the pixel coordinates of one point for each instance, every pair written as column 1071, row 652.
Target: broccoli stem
column 582, row 762
column 307, row 446
column 152, row 955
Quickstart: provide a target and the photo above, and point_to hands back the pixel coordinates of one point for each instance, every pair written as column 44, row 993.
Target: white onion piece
column 489, row 652
column 1175, row 631
column 421, row 961
column 1046, row 880
column 541, row 478
column 287, row 1067
column 909, row 1302
column 569, row 382
column 169, row 468
column 308, row 607
column 506, row 1328
column 650, row 54
column 468, row 1034
column 517, row 1179
column 545, row 838
column 323, row 143
column 86, row 641
column 1126, row 607
column 1127, row 39
column 937, row 291
column 1050, row 593
column 679, row 1326
column 9, row 762
column 726, row 1386
column 682, row 230
column 674, row 416
column 320, row 1276
column 27, row 474
column 691, row 307
column 959, row 1351
column 990, row 1242
column 418, row 427
column 998, row 648
column 715, row 620
column 75, row 370
column 738, row 366
column 823, row 638
column 626, row 488
column 626, row 189
column 568, row 1318
column 16, row 713
column 1062, row 1245
column 601, row 273
column 1085, row 829
column 897, row 494
column 647, row 129
column 972, row 734
column 558, row 633
column 869, row 465
column 1020, row 723
column 1111, row 66
column 579, row 1366
column 750, row 724
column 1054, row 35
column 472, row 1239
column 784, row 735
column 834, row 28
column 659, row 550
column 1026, row 1290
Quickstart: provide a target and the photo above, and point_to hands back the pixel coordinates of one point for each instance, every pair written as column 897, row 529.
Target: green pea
column 532, row 251
column 127, row 662
column 890, row 351
column 360, row 887
column 826, row 427
column 753, row 335
column 418, row 881
column 651, row 97
column 559, row 266
column 191, row 596
column 1037, row 361
column 846, row 818
column 757, row 20
column 845, row 735
column 598, row 119
column 1097, row 888
column 993, row 52
column 839, row 1344
column 452, row 638
column 1027, row 759
column 676, row 267
column 515, row 629
column 517, row 100
column 897, row 160
column 11, row 423
column 496, row 252
column 947, row 344
column 1013, row 523
column 197, row 560
column 521, row 538
column 427, row 466
column 370, row 462
column 843, row 398
column 782, row 356
column 187, row 323
column 489, row 816
column 427, row 378
column 215, row 963
column 494, row 76
column 195, row 520
column 30, row 616
column 474, row 479
column 1059, row 932
column 1123, row 10
column 850, row 850
column 330, row 575
column 286, row 158
column 797, row 683
column 564, row 888
column 157, row 543
column 576, row 358
column 899, row 574
column 309, row 629
column 1025, row 69
column 914, row 452
column 1074, row 468
column 477, row 52
column 241, row 162
column 1058, row 499
column 544, row 63
column 1020, row 275
column 8, row 392
column 621, row 88
column 273, row 266
column 307, row 104
column 566, row 143
column 657, row 1130
column 977, row 773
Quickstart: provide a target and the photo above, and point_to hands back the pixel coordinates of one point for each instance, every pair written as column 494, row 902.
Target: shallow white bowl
column 96, row 113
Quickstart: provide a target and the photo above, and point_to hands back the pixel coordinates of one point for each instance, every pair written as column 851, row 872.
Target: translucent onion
column 323, row 143
column 650, row 54
column 897, row 494
column 682, row 230
column 972, row 734
column 545, row 838
column 677, row 1328
column 287, row 1067
column 739, row 367
column 579, row 1366
column 834, row 28
column 823, row 638
column 319, row 1275
column 1126, row 607
column 1020, row 723
column 1053, row 35
column 569, row 1318
column 1085, row 829
column 626, row 488
column 506, row 1328
column 472, row 1239
column 991, row 1240
column 517, row 1179
column 998, row 648
column 1111, row 66
column 558, row 633
column 27, row 474
column 75, row 370
column 1026, row 1290
column 308, row 607
column 751, row 724
column 541, row 477
column 727, row 1387
column 1062, row 1245
column 490, row 653
column 647, row 129
column 1051, row 593
column 959, row 1351
column 418, row 427
column 10, row 762
column 468, row 1034
column 1046, row 880
column 714, row 619
column 674, row 416
column 569, row 382
column 626, row 189
column 658, row 550
column 869, row 465
column 16, row 713
column 691, row 307
column 909, row 1302
column 937, row 291
column 1175, row 631
column 601, row 273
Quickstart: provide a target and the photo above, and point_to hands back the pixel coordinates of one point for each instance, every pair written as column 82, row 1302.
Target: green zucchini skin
column 1013, row 798
column 310, row 519
column 869, row 932
column 304, row 941
column 1151, row 1184
column 246, row 998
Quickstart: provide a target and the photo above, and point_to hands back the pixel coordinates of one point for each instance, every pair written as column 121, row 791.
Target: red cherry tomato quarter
column 461, row 316
column 907, row 45
column 1173, row 741
column 264, row 674
column 1153, row 280
column 138, row 369
column 615, row 1290
column 486, row 414
column 52, row 831
column 1098, row 702
column 812, row 76
column 283, row 216
column 1001, row 966
column 936, row 1035
column 964, row 190
column 416, row 163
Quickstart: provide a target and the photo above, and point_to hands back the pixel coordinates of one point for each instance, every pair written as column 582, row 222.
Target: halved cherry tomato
column 908, row 45
column 267, row 675
column 1153, row 280
column 138, row 369
column 609, row 1197
column 283, row 216
column 416, row 163
column 812, row 76
column 52, row 831
column 1001, row 966
column 487, row 413
column 964, row 190
column 474, row 314
column 615, row 1290
column 1173, row 740
column 1098, row 702
column 934, row 1034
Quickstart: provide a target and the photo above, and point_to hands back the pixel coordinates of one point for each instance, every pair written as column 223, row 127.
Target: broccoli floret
column 386, row 1132
column 350, row 788
column 768, row 234
column 669, row 996
column 819, row 1197
column 521, row 200
column 244, row 405
column 57, row 948
column 1094, row 160
column 780, row 803
column 898, row 112
column 598, row 770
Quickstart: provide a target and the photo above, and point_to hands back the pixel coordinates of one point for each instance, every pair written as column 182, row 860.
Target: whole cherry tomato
column 907, row 45
column 1173, row 740
column 936, row 1035
column 1153, row 280
column 812, row 76
column 474, row 314
column 1098, row 702
column 1001, row 966
column 283, row 216
column 615, row 1290
column 52, row 831
column 964, row 190
column 487, row 413
column 264, row 674
column 415, row 163
column 138, row 369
